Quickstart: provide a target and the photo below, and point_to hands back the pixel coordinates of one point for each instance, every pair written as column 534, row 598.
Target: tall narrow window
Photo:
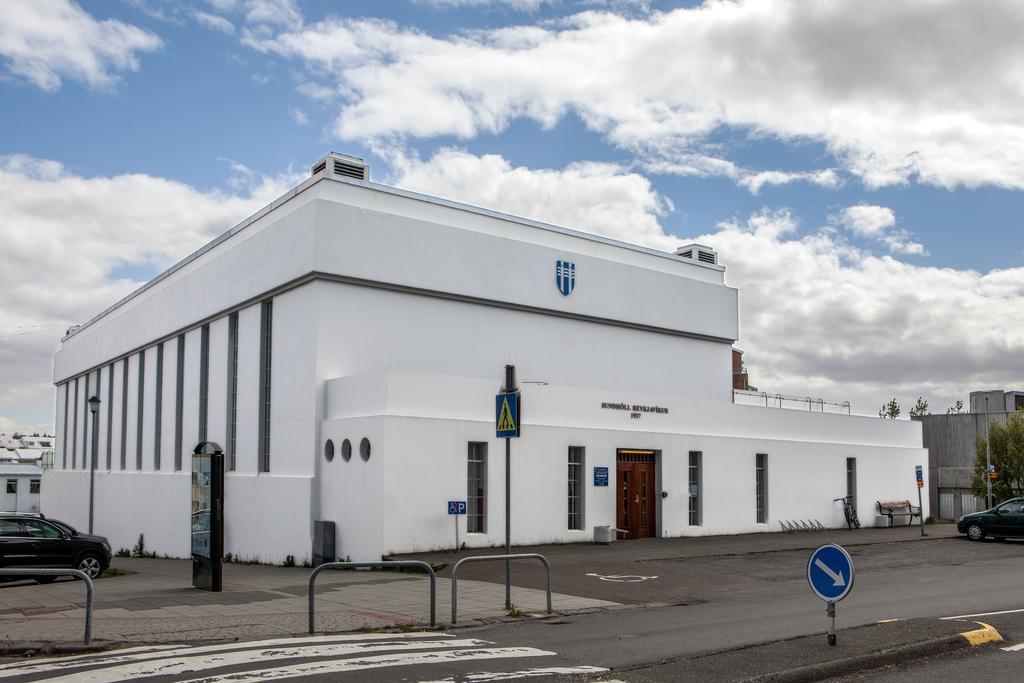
column 158, row 406
column 124, row 415
column 204, row 380
column 64, row 441
column 232, row 411
column 266, row 336
column 86, row 422
column 138, row 409
column 476, row 489
column 576, row 455
column 851, row 481
column 179, row 399
column 110, row 412
column 695, row 486
column 74, row 433
column 761, row 487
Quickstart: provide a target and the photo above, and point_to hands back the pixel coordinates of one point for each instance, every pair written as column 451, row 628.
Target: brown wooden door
column 635, row 509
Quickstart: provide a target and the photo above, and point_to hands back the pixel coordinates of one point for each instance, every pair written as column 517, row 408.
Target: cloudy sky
column 858, row 165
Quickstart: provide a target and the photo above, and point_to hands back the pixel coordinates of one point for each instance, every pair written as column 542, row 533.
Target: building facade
column 344, row 346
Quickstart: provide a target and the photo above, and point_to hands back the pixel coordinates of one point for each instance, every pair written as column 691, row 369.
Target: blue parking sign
column 456, row 507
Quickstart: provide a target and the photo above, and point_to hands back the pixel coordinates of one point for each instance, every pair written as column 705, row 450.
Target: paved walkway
column 155, row 602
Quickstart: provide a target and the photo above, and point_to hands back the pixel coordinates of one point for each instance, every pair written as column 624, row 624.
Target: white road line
column 196, row 665
column 530, row 673
column 1013, row 648
column 373, row 662
column 153, row 653
column 983, row 614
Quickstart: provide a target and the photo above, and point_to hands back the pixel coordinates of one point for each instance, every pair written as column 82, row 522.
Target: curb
column 33, row 649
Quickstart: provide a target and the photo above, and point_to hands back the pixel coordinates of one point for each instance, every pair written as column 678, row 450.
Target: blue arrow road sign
column 830, row 572
column 456, row 507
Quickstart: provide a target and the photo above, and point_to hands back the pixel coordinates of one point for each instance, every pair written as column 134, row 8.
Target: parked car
column 34, row 541
column 1002, row 521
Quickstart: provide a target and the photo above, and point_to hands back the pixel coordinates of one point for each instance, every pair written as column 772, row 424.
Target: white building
column 345, row 344
column 21, row 487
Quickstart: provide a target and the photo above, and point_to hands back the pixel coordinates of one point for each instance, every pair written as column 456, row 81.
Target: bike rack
column 31, row 571
column 482, row 558
column 373, row 565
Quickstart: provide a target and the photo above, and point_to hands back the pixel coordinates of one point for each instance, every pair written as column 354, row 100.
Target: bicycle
column 849, row 513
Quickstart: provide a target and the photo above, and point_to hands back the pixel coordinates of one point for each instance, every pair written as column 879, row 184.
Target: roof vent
column 343, row 165
column 698, row 252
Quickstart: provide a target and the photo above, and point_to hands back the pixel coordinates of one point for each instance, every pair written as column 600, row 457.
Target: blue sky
column 874, row 155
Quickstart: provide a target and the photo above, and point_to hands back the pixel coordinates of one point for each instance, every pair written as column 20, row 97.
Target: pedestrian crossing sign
column 506, row 415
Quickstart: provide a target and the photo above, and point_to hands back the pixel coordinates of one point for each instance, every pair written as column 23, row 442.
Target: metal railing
column 482, row 558
column 28, row 572
column 769, row 400
column 373, row 565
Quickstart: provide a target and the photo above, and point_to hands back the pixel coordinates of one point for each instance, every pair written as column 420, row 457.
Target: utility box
column 323, row 543
column 603, row 535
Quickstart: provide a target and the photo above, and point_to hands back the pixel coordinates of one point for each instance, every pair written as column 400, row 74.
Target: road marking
column 983, row 614
column 525, row 673
column 985, row 634
column 157, row 652
column 372, row 662
column 837, row 578
column 193, row 665
column 1013, row 648
column 627, row 578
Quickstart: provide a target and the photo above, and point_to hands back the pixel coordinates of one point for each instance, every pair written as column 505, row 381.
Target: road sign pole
column 830, row 612
column 456, row 532
column 920, row 516
column 510, row 385
column 830, row 575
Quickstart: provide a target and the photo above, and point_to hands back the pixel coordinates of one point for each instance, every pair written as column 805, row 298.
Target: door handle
column 636, row 500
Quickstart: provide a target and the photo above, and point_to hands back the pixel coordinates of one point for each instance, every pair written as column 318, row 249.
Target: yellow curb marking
column 888, row 621
column 983, row 635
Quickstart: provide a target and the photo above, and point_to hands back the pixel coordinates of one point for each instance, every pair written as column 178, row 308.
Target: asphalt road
column 710, row 603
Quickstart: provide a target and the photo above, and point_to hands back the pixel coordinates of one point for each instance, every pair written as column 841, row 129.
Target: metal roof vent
column 343, row 165
column 699, row 253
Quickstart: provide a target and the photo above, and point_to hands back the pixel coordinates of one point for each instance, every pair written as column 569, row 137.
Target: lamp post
column 988, row 459
column 94, row 408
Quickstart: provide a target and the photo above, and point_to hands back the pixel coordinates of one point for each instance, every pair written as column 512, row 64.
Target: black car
column 1002, row 521
column 33, row 541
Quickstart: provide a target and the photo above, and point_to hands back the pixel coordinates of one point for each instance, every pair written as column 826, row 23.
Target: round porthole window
column 329, row 450
column 346, row 450
column 364, row 449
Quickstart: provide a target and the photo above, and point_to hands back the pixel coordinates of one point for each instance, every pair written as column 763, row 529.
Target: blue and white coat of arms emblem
column 565, row 276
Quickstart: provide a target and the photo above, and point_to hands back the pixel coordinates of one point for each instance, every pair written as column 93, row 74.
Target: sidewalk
column 156, row 602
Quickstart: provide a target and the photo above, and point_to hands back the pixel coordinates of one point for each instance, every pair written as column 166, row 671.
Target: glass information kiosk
column 207, row 515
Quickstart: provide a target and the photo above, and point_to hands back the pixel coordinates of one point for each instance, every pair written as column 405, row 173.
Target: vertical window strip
column 124, row 415
column 64, row 441
column 158, row 406
column 232, row 411
column 74, row 433
column 761, row 487
column 476, row 489
column 266, row 351
column 110, row 412
column 204, row 381
column 86, row 422
column 179, row 400
column 695, row 488
column 851, row 481
column 576, row 456
column 138, row 409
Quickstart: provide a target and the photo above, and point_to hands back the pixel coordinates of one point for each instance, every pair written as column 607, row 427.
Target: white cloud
column 44, row 41
column 299, row 117
column 878, row 223
column 215, row 22
column 65, row 234
column 827, row 178
column 518, row 5
column 596, row 197
column 896, row 91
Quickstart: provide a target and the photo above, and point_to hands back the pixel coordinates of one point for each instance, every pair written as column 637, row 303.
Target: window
column 85, row 422
column 364, row 449
column 476, row 489
column 12, row 486
column 576, row 454
column 110, row 412
column 37, row 529
column 74, row 431
column 10, row 527
column 124, row 415
column 346, row 450
column 761, row 487
column 329, row 450
column 64, row 441
column 851, row 481
column 138, row 410
column 158, row 406
column 204, row 380
column 266, row 336
column 33, row 486
column 694, row 491
column 232, row 411
column 179, row 399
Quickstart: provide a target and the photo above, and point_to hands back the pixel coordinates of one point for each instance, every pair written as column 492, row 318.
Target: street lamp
column 94, row 408
column 988, row 459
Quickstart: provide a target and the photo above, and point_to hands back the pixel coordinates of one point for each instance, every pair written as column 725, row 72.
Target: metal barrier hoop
column 374, row 565
column 77, row 573
column 481, row 558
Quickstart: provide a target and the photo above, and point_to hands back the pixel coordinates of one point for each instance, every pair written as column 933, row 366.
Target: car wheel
column 90, row 564
column 45, row 579
column 975, row 532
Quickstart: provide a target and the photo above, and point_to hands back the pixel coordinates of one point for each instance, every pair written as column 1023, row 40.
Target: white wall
column 168, row 409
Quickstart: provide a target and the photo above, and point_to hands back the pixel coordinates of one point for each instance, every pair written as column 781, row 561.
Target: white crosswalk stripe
column 283, row 658
column 1013, row 648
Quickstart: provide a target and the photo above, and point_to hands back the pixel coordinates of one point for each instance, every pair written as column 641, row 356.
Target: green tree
column 956, row 408
column 890, row 410
column 920, row 408
column 1007, row 453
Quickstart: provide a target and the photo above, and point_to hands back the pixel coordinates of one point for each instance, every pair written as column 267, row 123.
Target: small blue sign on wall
column 600, row 476
column 456, row 507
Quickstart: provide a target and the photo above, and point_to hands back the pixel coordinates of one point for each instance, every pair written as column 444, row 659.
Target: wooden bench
column 898, row 508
